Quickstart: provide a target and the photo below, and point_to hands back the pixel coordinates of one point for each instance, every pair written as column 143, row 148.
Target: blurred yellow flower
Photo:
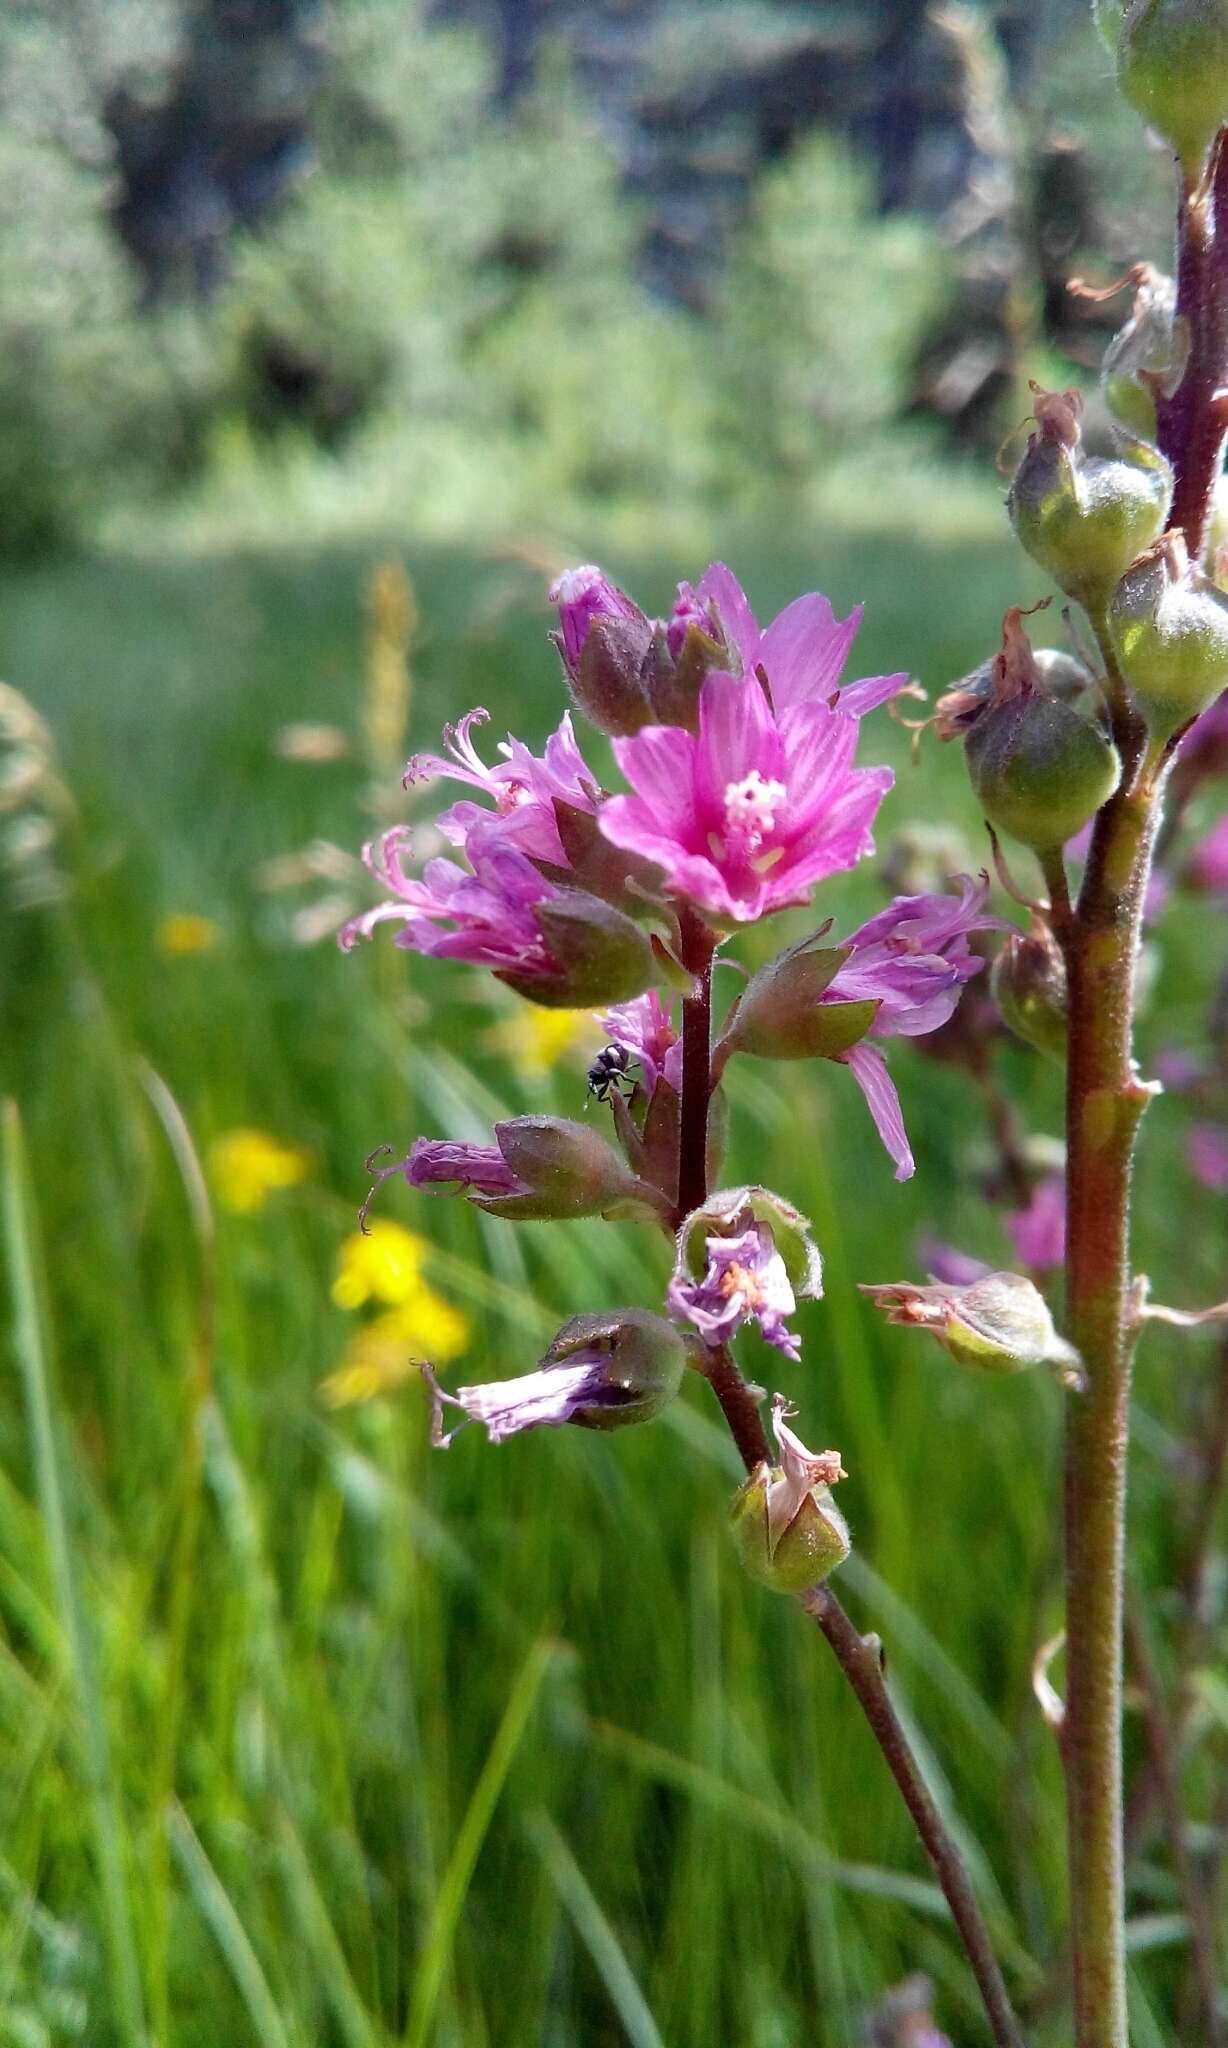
column 383, row 1265
column 536, row 1039
column 382, row 1354
column 185, row 931
column 247, row 1166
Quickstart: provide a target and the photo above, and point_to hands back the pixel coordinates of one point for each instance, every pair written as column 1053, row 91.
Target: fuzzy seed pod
column 1172, row 66
column 1083, row 517
column 1169, row 625
column 1039, row 768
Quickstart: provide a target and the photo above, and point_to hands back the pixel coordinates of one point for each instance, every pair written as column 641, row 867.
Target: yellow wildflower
column 383, row 1353
column 383, row 1265
column 184, row 932
column 247, row 1166
column 536, row 1039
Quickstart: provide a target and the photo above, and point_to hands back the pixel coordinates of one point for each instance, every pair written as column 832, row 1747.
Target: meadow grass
column 312, row 1735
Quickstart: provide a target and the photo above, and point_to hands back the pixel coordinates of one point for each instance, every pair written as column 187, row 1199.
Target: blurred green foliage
column 450, row 292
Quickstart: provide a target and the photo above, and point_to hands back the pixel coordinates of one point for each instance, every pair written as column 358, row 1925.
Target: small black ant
column 611, row 1069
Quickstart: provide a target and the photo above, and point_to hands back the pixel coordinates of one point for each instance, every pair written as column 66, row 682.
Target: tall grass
column 312, row 1735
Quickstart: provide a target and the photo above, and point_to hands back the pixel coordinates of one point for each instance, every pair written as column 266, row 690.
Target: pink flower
column 802, row 653
column 522, row 787
column 1038, row 1232
column 913, row 960
column 1209, row 860
column 1206, row 1151
column 644, row 1028
column 485, row 917
column 748, row 814
column 450, row 1162
column 745, row 1282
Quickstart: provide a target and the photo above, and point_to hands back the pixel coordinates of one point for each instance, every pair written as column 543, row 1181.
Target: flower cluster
column 743, row 793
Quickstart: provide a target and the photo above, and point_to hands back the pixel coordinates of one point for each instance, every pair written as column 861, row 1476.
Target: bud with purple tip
column 540, row 1167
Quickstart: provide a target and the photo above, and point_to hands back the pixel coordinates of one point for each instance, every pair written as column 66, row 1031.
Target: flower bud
column 1058, row 673
column 780, row 1015
column 601, row 955
column 1169, row 625
column 1029, row 987
column 1172, row 66
column 539, row 1167
column 601, row 1372
column 603, row 639
column 1039, row 768
column 787, row 1528
column 999, row 1324
column 677, row 665
column 1084, row 517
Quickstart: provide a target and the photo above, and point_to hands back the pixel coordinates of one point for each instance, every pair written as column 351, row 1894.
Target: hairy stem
column 1104, row 1102
column 860, row 1659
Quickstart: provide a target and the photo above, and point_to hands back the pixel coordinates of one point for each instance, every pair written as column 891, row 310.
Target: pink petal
column 804, row 650
column 737, row 734
column 721, row 586
column 659, row 763
column 866, row 695
column 869, row 1070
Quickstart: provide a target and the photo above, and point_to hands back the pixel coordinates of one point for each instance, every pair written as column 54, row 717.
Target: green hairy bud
column 1084, row 517
column 1040, row 769
column 1169, row 625
column 1172, row 66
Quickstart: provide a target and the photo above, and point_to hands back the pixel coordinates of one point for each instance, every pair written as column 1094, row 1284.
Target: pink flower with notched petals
column 522, row 787
column 747, row 815
column 485, row 918
column 912, row 960
column 802, row 653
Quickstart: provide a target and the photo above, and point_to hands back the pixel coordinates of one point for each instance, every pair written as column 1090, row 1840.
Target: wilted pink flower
column 1206, row 1151
column 1208, row 867
column 746, row 816
column 802, row 653
column 547, row 1398
column 582, row 595
column 485, row 917
column 644, row 1028
column 912, row 960
column 601, row 1371
column 799, row 1471
column 522, row 787
column 745, row 1281
column 1038, row 1232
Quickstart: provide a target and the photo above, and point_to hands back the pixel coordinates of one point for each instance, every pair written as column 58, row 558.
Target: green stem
column 1105, row 1100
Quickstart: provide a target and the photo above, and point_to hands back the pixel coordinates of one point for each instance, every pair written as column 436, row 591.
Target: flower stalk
column 1104, row 1105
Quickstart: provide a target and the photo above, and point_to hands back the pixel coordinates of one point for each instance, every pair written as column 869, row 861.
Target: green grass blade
column 353, row 2020
column 596, row 1933
column 33, row 1359
column 218, row 1912
column 438, row 1946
